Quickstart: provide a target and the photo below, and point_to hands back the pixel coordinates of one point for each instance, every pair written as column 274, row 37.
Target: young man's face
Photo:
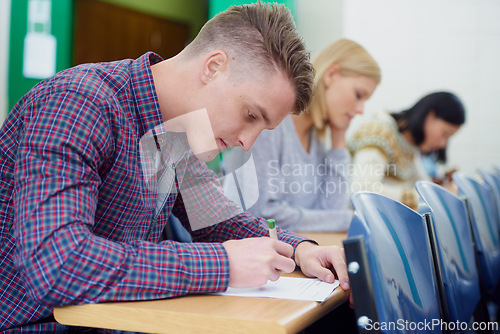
column 239, row 111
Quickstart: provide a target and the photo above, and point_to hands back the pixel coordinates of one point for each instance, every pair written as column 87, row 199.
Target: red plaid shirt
column 76, row 218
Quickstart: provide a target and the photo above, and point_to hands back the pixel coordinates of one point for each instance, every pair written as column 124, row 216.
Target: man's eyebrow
column 263, row 112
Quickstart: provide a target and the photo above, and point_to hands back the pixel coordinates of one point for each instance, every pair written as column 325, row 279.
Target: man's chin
column 207, row 156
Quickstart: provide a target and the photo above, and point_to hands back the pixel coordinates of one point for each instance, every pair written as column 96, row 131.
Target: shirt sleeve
column 65, row 142
column 214, row 217
column 330, row 214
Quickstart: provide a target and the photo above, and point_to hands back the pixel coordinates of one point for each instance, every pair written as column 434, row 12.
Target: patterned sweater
column 384, row 161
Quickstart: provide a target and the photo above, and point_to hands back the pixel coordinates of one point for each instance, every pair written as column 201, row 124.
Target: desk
column 326, row 239
column 205, row 313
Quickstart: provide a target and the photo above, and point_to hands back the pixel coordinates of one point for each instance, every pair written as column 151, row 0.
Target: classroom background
column 421, row 46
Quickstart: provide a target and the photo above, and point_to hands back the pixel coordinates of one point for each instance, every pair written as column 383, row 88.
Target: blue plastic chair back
column 457, row 267
column 497, row 170
column 492, row 180
column 399, row 260
column 484, row 227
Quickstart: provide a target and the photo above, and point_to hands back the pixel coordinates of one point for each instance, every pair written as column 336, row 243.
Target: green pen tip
column 271, row 223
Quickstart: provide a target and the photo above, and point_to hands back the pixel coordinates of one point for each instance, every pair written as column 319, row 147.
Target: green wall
column 61, row 28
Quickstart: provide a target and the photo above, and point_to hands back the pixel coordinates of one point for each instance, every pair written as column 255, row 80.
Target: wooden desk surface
column 207, row 313
column 326, row 239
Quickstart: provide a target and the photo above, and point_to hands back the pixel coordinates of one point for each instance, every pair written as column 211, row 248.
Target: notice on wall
column 39, row 55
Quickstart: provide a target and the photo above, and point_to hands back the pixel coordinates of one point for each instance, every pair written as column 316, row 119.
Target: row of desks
column 208, row 313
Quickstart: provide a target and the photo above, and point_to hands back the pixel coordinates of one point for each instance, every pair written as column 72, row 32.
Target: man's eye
column 251, row 115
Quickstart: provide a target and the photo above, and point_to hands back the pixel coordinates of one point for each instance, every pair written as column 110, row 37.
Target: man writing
column 95, row 160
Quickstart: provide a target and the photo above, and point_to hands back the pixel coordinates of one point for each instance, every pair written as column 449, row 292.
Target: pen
column 271, row 224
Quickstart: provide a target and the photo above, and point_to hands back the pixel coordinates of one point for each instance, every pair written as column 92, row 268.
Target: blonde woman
column 302, row 181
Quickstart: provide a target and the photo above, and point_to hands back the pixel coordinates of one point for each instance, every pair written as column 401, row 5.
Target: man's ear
column 213, row 64
column 329, row 74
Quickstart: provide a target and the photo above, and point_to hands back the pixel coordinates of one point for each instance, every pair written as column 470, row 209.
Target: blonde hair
column 352, row 60
column 263, row 39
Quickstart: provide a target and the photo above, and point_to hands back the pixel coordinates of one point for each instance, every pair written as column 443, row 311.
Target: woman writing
column 386, row 148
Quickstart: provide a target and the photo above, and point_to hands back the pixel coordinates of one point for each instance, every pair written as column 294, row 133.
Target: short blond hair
column 352, row 59
column 262, row 38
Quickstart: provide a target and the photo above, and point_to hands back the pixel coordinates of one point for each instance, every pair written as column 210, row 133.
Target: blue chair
column 485, row 227
column 492, row 180
column 390, row 267
column 174, row 230
column 454, row 253
column 497, row 170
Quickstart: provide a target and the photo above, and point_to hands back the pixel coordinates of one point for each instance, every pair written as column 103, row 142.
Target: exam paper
column 288, row 288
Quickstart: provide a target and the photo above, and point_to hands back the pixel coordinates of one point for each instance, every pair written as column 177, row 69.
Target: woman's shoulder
column 382, row 132
column 379, row 130
column 381, row 119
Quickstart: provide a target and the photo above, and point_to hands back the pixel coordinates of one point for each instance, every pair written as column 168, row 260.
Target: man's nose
column 247, row 140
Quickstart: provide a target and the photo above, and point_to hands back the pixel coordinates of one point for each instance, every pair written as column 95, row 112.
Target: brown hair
column 262, row 38
column 352, row 59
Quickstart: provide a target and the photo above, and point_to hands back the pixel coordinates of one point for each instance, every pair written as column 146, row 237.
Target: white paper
column 311, row 289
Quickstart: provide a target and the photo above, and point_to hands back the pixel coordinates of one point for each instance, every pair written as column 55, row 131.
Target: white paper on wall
column 39, row 55
column 39, row 58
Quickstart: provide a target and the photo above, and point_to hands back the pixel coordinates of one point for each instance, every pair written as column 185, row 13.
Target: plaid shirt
column 77, row 220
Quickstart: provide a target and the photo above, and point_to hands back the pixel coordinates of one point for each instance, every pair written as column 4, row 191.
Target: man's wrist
column 302, row 244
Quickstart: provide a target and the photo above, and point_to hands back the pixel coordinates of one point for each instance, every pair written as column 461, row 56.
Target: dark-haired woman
column 386, row 149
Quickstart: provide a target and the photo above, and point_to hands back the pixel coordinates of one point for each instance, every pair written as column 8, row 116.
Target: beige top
column 384, row 161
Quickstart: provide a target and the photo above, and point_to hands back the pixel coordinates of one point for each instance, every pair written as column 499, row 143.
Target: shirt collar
column 143, row 89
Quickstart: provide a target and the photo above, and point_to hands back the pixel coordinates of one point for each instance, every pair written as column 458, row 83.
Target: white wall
column 4, row 55
column 319, row 22
column 424, row 46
